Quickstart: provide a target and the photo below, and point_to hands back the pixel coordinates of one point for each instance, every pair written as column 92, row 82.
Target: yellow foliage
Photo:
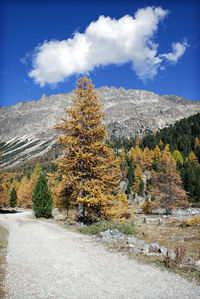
column 137, row 178
column 146, row 158
column 192, row 157
column 157, row 153
column 197, row 142
column 87, row 165
column 193, row 221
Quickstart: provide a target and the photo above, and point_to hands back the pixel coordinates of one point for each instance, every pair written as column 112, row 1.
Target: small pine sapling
column 13, row 198
column 42, row 200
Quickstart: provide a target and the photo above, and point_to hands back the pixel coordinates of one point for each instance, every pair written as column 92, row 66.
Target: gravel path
column 46, row 261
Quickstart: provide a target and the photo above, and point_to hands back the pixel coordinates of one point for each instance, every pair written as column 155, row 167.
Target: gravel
column 47, row 261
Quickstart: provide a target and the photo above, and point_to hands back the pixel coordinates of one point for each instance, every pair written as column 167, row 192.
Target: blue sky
column 47, row 45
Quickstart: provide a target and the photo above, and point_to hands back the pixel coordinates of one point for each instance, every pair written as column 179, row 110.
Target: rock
column 60, row 217
column 159, row 212
column 152, row 254
column 150, row 220
column 140, row 243
column 136, row 250
column 106, row 240
column 145, row 248
column 171, row 254
column 188, row 259
column 163, row 251
column 197, row 264
column 179, row 238
column 188, row 267
column 132, row 240
column 131, row 246
column 154, row 247
column 105, row 234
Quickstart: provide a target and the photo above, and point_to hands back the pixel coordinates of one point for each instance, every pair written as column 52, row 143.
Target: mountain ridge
column 128, row 113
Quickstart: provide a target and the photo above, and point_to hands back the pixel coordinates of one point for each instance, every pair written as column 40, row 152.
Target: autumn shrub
column 148, row 206
column 42, row 200
column 180, row 252
column 193, row 221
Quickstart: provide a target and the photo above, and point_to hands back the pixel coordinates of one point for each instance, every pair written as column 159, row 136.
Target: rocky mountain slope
column 27, row 127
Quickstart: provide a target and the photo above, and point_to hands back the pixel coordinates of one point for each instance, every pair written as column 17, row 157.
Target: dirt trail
column 46, row 261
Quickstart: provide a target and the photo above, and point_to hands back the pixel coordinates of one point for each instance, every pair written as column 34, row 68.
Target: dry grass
column 3, row 246
column 165, row 234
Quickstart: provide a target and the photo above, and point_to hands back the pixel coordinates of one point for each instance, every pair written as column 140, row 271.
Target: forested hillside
column 164, row 165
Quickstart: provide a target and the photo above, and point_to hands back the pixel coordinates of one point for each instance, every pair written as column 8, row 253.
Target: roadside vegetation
column 100, row 183
column 3, row 246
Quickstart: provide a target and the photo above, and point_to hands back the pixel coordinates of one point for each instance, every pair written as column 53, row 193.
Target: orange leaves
column 87, row 163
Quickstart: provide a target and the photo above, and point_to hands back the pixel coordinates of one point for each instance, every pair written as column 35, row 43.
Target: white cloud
column 105, row 41
column 178, row 50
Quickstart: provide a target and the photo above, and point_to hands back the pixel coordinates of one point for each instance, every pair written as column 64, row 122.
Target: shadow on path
column 3, row 211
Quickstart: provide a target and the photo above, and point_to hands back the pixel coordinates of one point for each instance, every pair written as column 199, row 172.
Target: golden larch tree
column 88, row 167
column 131, row 154
column 157, row 153
column 193, row 158
column 146, row 158
column 197, row 142
column 137, row 178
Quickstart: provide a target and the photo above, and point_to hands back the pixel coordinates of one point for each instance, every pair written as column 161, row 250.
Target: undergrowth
column 3, row 246
column 127, row 228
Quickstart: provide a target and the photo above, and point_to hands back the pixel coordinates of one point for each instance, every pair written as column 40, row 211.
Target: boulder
column 154, row 247
column 136, row 250
column 132, row 240
column 171, row 254
column 163, row 251
column 145, row 248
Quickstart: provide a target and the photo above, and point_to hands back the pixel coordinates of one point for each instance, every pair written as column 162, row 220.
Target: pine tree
column 42, row 200
column 13, row 198
column 88, row 165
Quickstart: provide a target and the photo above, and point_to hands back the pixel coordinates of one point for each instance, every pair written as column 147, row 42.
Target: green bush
column 127, row 228
column 42, row 200
column 13, row 198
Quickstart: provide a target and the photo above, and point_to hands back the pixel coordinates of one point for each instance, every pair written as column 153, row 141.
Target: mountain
column 27, row 127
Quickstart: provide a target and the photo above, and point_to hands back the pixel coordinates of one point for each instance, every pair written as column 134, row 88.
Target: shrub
column 13, row 198
column 42, row 200
column 127, row 228
column 180, row 252
column 193, row 221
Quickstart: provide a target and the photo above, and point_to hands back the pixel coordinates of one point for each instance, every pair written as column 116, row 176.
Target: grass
column 3, row 246
column 127, row 228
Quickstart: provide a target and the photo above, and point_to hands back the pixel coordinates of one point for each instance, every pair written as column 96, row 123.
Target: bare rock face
column 27, row 128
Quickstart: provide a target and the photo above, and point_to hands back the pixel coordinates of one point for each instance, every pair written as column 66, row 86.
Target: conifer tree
column 137, row 178
column 146, row 158
column 193, row 158
column 42, row 200
column 197, row 142
column 88, row 165
column 177, row 156
column 13, row 198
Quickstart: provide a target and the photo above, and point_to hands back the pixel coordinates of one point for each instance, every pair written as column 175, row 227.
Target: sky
column 47, row 45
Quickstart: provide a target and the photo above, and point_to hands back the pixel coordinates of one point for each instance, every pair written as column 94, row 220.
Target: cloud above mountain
column 106, row 41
